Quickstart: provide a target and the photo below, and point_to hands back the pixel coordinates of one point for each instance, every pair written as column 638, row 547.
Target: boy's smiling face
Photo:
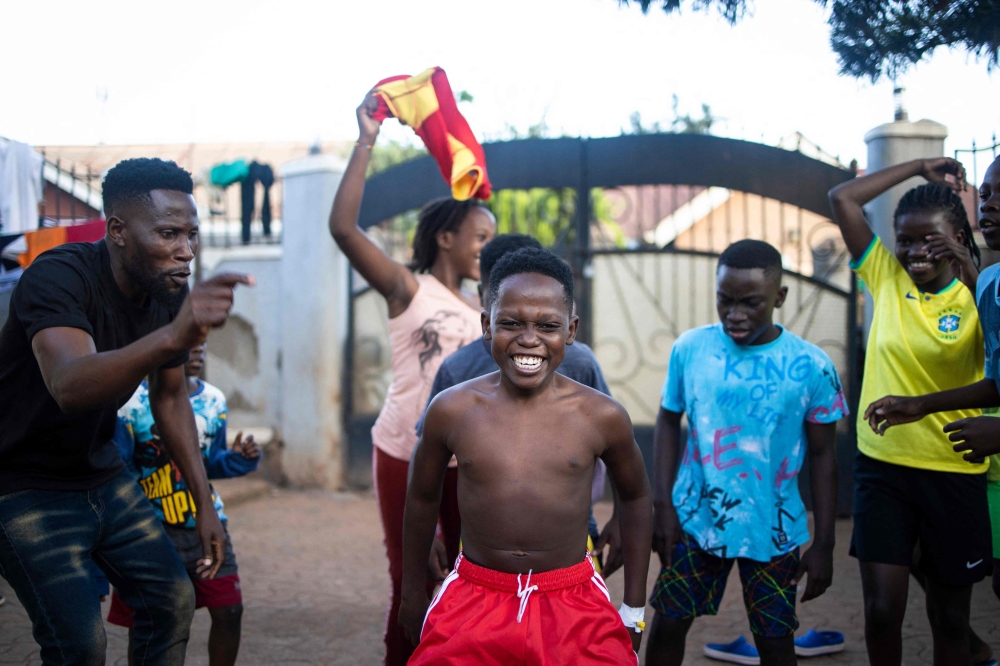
column 528, row 328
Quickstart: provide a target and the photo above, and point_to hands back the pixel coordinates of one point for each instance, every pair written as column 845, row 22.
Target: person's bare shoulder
column 606, row 412
column 460, row 398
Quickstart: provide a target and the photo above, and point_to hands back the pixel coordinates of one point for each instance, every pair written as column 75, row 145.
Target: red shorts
column 560, row 617
column 216, row 593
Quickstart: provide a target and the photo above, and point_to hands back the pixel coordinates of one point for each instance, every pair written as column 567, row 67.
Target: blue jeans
column 46, row 541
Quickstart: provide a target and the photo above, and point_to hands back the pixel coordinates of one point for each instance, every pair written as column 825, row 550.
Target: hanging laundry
column 45, row 239
column 224, row 175
column 20, row 187
column 426, row 103
column 263, row 174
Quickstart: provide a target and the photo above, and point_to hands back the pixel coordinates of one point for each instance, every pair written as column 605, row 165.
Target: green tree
column 548, row 214
column 731, row 10
column 876, row 38
column 686, row 124
column 391, row 153
column 545, row 213
column 635, row 121
column 884, row 38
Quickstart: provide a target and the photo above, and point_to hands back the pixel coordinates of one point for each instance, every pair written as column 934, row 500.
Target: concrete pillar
column 314, row 325
column 893, row 143
column 889, row 144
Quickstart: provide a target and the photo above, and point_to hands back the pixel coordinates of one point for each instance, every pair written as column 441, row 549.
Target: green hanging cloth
column 224, row 175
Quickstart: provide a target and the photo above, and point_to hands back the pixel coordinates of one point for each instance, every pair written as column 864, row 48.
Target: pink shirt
column 436, row 323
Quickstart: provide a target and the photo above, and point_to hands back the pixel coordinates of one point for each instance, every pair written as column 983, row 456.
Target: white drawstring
column 524, row 593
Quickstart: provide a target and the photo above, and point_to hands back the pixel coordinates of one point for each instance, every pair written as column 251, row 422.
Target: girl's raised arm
column 388, row 277
column 847, row 198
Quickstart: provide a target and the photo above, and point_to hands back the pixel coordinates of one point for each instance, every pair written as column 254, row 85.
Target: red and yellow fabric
column 426, row 103
column 46, row 239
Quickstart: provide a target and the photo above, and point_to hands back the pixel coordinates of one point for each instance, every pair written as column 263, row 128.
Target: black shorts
column 897, row 507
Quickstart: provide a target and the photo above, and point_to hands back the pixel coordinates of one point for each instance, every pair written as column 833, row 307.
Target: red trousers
column 389, row 475
column 555, row 618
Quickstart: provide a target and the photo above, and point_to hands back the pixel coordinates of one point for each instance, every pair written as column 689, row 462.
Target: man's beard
column 156, row 286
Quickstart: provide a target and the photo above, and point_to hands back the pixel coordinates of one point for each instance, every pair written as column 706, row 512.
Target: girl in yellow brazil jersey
column 911, row 487
column 977, row 437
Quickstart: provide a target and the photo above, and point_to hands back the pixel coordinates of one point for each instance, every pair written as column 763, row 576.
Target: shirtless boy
column 523, row 591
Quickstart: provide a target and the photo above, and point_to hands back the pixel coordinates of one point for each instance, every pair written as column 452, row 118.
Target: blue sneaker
column 737, row 652
column 814, row 643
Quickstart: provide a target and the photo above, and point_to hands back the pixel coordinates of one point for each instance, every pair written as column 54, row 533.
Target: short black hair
column 134, row 179
column 434, row 218
column 933, row 197
column 501, row 245
column 749, row 253
column 532, row 260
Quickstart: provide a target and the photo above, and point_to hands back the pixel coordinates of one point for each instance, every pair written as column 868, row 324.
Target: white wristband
column 633, row 617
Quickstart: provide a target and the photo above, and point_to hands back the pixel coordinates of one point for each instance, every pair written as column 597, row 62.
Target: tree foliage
column 686, row 124
column 876, row 38
column 548, row 214
column 730, row 10
column 542, row 212
column 391, row 153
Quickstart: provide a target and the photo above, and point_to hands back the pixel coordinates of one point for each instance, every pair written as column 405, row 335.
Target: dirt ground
column 315, row 589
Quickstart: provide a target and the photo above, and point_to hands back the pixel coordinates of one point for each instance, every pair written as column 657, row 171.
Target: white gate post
column 889, row 144
column 314, row 325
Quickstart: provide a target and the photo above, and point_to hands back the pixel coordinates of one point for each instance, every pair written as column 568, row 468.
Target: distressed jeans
column 46, row 540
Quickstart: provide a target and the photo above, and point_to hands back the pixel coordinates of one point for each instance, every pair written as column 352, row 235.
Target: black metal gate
column 646, row 219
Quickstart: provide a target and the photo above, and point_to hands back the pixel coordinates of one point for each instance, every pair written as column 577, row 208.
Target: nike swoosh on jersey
column 911, row 296
column 970, row 565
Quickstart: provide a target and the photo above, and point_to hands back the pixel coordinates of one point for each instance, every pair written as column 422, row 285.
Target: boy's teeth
column 527, row 362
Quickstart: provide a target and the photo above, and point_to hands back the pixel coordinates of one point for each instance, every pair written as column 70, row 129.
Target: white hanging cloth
column 20, row 187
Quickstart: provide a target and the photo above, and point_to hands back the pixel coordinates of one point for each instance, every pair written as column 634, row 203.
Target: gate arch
column 630, row 351
column 646, row 159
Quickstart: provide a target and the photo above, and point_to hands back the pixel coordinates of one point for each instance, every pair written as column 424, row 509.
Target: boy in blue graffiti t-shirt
column 756, row 397
column 149, row 461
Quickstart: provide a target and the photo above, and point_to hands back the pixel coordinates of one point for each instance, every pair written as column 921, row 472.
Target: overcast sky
column 221, row 70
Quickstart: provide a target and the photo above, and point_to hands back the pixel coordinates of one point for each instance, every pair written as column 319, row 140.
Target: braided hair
column 934, row 197
column 437, row 217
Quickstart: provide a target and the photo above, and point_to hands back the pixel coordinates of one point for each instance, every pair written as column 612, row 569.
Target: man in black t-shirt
column 89, row 321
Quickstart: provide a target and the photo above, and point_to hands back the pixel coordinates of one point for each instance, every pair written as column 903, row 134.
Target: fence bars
column 974, row 151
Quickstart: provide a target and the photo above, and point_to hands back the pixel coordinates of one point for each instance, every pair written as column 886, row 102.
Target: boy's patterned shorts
column 694, row 585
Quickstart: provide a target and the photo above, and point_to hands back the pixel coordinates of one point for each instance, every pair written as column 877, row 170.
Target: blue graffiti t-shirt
column 736, row 491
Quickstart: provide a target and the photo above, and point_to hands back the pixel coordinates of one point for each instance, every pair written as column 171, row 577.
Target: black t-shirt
column 41, row 447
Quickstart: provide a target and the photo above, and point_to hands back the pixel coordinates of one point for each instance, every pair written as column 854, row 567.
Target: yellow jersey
column 919, row 343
